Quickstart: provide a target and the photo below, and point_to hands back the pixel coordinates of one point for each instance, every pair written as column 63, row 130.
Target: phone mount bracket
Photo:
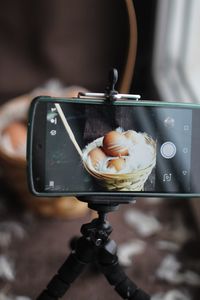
column 110, row 94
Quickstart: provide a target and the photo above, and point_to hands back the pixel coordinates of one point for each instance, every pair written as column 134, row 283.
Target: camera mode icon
column 169, row 122
column 54, row 121
column 167, row 177
column 51, row 183
column 184, row 172
column 53, row 132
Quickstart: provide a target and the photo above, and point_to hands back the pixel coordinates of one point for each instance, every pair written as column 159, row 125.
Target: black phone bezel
column 35, row 144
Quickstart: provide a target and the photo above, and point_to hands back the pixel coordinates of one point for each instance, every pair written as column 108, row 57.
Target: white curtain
column 176, row 61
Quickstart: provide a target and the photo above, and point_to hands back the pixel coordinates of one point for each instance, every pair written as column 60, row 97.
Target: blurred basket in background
column 13, row 120
column 82, row 54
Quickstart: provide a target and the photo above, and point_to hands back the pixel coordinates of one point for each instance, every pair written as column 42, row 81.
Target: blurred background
column 63, row 47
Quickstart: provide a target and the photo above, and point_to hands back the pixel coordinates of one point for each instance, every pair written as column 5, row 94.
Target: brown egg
column 96, row 155
column 17, row 132
column 117, row 163
column 115, row 144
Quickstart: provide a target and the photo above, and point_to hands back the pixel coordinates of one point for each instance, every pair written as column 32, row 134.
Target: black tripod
column 94, row 246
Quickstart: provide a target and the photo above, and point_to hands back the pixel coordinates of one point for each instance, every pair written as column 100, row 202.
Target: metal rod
column 117, row 96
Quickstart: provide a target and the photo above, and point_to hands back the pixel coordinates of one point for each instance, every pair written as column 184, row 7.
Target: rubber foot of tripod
column 57, row 287
column 45, row 296
column 128, row 290
column 141, row 295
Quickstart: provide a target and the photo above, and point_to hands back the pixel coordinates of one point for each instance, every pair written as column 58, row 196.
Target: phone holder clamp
column 110, row 94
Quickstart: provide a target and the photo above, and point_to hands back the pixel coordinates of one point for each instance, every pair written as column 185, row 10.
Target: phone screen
column 90, row 148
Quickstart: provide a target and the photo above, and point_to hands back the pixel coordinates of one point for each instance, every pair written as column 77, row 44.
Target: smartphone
column 85, row 147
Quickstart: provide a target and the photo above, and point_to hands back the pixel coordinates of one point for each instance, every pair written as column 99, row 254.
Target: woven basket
column 133, row 181
column 13, row 170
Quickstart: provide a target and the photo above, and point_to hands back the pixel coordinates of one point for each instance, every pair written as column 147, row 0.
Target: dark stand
column 94, row 246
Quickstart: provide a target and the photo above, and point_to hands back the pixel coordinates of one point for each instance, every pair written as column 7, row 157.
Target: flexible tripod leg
column 109, row 266
column 94, row 245
column 69, row 271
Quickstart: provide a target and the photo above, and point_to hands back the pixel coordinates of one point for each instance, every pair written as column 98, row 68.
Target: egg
column 97, row 156
column 16, row 132
column 133, row 136
column 115, row 144
column 117, row 163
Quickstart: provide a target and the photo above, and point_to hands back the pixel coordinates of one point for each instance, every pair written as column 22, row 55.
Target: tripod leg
column 69, row 271
column 108, row 262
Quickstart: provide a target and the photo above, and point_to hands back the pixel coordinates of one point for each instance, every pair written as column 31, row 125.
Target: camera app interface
column 113, row 148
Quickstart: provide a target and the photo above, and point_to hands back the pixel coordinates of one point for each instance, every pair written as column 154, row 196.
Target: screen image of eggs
column 101, row 150
column 121, row 160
